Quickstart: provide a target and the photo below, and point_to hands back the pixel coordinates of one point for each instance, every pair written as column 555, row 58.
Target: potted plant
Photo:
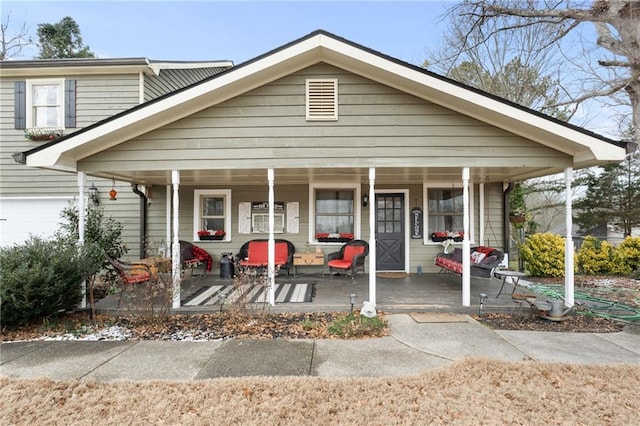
column 517, row 205
column 206, row 235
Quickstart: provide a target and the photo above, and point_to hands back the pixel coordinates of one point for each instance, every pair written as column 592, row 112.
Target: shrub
column 39, row 279
column 544, row 255
column 626, row 259
column 595, row 257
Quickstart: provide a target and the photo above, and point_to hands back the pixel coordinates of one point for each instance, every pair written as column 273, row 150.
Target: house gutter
column 506, row 228
column 143, row 219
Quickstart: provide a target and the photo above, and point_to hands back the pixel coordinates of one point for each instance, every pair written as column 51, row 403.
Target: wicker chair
column 350, row 258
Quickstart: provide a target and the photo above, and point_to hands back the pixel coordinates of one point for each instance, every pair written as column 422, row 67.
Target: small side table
column 307, row 259
column 504, row 274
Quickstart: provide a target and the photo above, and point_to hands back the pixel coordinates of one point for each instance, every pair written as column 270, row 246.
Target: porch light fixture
column 352, row 300
column 365, row 200
column 94, row 194
column 113, row 193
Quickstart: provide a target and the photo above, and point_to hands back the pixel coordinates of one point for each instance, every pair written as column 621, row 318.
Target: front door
column 390, row 232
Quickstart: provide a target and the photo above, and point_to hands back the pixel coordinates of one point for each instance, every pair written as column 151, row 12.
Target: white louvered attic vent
column 322, row 100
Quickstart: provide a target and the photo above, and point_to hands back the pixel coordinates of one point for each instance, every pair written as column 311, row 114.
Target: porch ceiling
column 384, row 175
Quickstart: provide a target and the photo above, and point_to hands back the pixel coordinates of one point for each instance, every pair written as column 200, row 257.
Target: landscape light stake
column 352, row 300
column 483, row 297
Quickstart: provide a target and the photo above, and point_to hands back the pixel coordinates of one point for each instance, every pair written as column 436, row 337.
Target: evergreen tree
column 612, row 196
column 62, row 40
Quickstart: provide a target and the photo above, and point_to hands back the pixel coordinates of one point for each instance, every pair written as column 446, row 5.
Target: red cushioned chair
column 350, row 257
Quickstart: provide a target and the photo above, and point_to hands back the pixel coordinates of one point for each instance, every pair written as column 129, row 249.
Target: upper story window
column 444, row 212
column 212, row 212
column 45, row 103
column 322, row 99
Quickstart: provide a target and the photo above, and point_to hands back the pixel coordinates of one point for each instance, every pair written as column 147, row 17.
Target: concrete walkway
column 413, row 347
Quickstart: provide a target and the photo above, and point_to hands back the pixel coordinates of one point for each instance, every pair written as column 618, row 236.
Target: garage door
column 21, row 217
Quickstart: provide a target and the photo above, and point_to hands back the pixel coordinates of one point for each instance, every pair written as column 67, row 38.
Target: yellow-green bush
column 595, row 257
column 543, row 255
column 626, row 258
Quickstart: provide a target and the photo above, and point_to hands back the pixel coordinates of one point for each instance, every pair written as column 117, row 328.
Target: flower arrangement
column 43, row 133
column 211, row 235
column 440, row 236
column 325, row 237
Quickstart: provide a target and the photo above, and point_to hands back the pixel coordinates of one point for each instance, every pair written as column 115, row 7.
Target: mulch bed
column 579, row 322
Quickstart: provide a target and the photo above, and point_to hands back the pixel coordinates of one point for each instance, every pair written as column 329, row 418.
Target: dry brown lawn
column 469, row 392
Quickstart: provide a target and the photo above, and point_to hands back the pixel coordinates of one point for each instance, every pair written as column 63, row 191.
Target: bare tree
column 12, row 42
column 617, row 27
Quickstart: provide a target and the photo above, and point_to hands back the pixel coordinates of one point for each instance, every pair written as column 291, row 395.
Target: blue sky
column 236, row 30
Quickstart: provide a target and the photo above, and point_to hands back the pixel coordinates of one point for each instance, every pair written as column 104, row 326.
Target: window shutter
column 20, row 105
column 322, row 100
column 70, row 103
column 244, row 218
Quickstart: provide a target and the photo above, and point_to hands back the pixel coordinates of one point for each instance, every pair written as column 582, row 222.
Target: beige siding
column 419, row 253
column 377, row 126
column 97, row 97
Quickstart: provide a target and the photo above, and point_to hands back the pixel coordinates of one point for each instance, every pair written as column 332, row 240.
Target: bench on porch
column 254, row 254
column 484, row 260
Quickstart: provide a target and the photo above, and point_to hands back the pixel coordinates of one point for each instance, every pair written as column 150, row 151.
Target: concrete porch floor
column 427, row 292
column 438, row 292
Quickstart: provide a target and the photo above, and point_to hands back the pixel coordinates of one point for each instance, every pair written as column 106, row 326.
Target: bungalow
column 324, row 136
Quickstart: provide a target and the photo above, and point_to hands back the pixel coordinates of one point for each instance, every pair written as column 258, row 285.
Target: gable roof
column 587, row 148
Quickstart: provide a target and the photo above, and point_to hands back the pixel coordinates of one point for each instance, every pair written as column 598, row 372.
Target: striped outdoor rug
column 228, row 294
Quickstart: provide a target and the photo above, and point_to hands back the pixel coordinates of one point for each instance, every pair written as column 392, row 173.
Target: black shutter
column 20, row 105
column 69, row 103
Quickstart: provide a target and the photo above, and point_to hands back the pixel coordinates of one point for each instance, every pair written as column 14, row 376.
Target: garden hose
column 595, row 306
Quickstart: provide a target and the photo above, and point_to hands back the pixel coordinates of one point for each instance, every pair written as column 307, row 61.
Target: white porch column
column 481, row 215
column 568, row 243
column 271, row 252
column 175, row 246
column 372, row 236
column 167, row 197
column 81, row 230
column 466, row 244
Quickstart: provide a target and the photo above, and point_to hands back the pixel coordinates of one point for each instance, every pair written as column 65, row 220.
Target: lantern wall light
column 94, row 194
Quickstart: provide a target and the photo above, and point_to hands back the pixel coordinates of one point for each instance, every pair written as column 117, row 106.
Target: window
column 212, row 212
column 45, row 103
column 260, row 223
column 334, row 210
column 322, row 100
column 445, row 210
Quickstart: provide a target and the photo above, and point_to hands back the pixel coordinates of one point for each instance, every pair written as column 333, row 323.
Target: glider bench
column 484, row 260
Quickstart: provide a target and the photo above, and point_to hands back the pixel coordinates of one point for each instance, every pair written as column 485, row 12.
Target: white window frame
column 197, row 208
column 30, row 123
column 312, row 208
column 425, row 208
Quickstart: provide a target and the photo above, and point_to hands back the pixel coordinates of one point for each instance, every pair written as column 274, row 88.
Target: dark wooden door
column 390, row 255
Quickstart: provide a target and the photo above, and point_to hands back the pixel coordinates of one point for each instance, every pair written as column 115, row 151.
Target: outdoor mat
column 229, row 294
column 392, row 275
column 438, row 317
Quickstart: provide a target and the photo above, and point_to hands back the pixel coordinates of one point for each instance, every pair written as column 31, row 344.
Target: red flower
column 203, row 233
column 219, row 233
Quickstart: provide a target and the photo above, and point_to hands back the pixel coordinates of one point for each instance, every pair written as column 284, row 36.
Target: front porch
column 438, row 292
